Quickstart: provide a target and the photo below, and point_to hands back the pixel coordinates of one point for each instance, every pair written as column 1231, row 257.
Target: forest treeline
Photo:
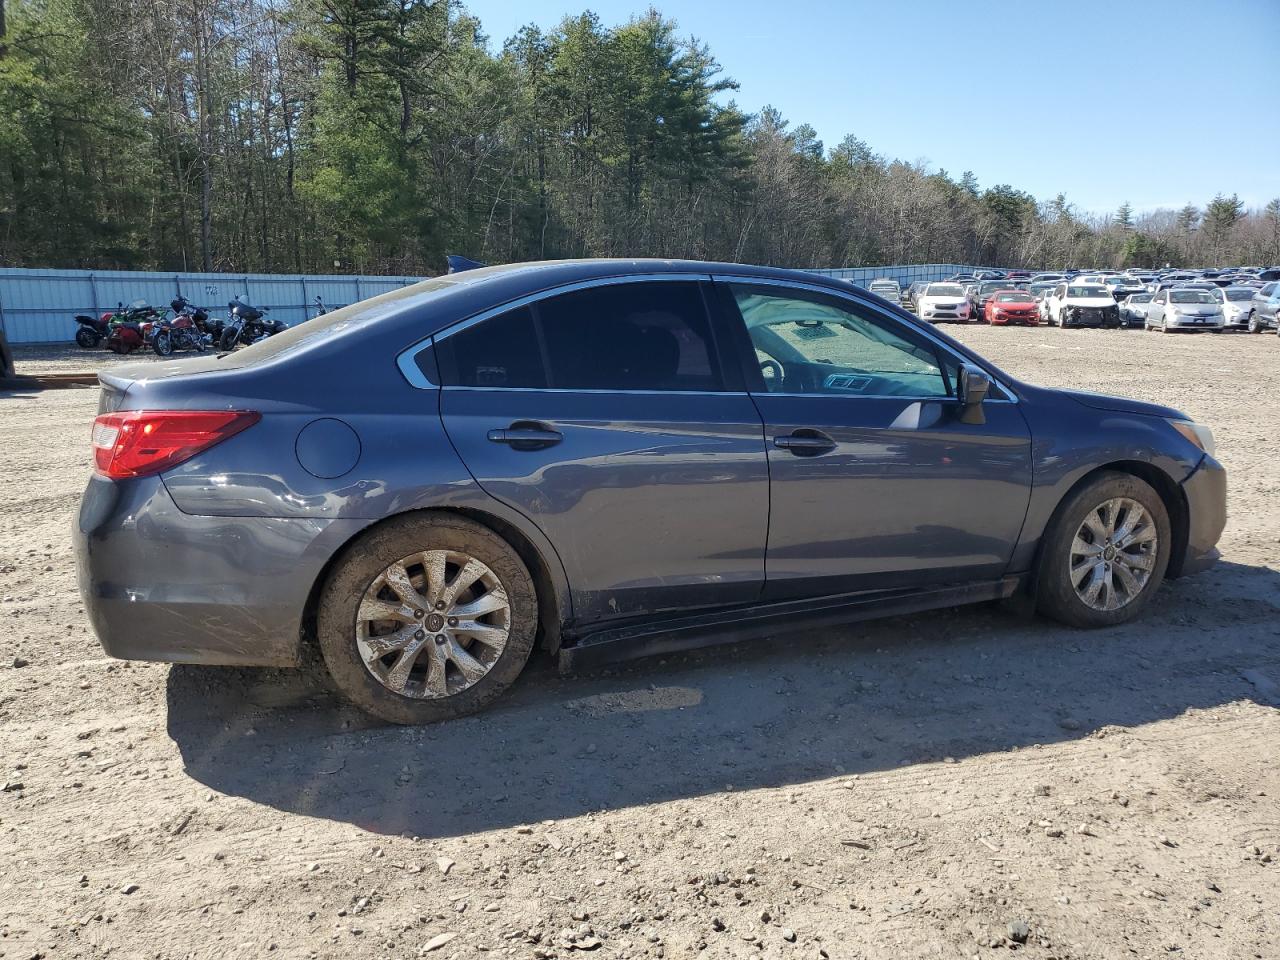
column 378, row 135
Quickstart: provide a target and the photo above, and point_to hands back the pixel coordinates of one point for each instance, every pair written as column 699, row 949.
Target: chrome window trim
column 842, row 295
column 645, row 393
column 406, row 360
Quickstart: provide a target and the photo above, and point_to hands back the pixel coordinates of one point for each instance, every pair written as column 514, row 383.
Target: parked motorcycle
column 190, row 329
column 90, row 331
column 130, row 327
column 248, row 324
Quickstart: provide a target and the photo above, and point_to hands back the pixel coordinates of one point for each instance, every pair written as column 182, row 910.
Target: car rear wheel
column 427, row 618
column 1106, row 553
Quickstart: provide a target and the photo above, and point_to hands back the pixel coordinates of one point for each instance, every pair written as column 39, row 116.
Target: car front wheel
column 1106, row 553
column 428, row 617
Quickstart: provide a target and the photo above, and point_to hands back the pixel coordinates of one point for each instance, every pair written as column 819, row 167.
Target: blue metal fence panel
column 39, row 306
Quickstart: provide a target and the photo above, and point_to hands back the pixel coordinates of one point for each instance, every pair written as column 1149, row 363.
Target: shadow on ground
column 795, row 709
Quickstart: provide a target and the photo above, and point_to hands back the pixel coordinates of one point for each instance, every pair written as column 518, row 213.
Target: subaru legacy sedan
column 609, row 459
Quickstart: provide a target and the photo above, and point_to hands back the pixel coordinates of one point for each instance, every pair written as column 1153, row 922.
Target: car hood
column 1089, row 301
column 1102, row 401
column 949, row 298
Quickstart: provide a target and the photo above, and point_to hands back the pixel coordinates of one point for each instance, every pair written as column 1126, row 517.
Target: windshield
column 1140, row 298
column 1012, row 298
column 1190, row 296
column 991, row 287
column 1240, row 293
column 1090, row 291
column 944, row 290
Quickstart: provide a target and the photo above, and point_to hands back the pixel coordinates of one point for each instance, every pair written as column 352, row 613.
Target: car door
column 1269, row 297
column 606, row 416
column 1055, row 303
column 876, row 483
column 1155, row 312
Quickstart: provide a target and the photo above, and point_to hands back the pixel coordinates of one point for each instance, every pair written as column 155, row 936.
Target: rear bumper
column 1206, row 492
column 159, row 584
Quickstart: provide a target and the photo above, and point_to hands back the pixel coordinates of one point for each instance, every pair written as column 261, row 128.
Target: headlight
column 1197, row 433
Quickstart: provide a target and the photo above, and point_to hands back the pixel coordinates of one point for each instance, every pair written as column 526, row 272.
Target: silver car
column 1133, row 309
column 886, row 287
column 1184, row 308
column 1236, row 303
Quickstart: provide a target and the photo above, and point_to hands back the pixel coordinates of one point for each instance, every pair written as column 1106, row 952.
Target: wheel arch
column 552, row 591
column 1169, row 491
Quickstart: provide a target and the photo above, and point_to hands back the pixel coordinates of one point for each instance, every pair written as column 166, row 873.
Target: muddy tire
column 408, row 635
column 1105, row 554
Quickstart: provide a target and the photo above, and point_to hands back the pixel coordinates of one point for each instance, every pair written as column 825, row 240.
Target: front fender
column 1071, row 441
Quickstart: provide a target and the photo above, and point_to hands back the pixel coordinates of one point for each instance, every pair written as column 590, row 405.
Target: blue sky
column 1157, row 102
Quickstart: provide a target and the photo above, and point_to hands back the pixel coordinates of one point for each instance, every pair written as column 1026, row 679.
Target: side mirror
column 972, row 387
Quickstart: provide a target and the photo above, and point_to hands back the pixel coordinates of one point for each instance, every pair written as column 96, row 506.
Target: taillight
column 135, row 443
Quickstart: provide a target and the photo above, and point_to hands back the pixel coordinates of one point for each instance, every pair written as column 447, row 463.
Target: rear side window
column 628, row 336
column 631, row 336
column 502, row 351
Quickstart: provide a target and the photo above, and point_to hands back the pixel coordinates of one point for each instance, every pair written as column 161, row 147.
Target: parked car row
column 1214, row 300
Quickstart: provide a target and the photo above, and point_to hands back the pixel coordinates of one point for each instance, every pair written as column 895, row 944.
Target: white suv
column 1075, row 304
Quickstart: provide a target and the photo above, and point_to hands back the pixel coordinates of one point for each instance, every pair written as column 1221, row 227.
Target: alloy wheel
column 1113, row 554
column 433, row 624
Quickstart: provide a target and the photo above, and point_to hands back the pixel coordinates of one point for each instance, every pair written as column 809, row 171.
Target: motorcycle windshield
column 138, row 305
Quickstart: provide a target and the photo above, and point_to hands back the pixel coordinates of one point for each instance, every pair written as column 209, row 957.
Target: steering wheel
column 771, row 370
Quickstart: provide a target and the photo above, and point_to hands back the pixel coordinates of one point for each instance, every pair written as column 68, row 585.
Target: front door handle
column 526, row 435
column 806, row 443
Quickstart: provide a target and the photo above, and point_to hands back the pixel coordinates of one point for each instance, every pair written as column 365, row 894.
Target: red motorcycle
column 130, row 326
column 190, row 329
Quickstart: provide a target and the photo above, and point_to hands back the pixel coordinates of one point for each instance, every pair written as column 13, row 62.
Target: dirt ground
column 944, row 785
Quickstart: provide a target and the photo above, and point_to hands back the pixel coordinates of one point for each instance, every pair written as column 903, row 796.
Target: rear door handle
column 806, row 443
column 524, row 435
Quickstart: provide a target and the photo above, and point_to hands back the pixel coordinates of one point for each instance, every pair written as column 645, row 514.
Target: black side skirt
column 655, row 637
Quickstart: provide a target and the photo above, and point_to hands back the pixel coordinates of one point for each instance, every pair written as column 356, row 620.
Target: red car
column 1011, row 306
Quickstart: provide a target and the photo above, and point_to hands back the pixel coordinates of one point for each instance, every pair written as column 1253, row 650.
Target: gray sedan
column 604, row 459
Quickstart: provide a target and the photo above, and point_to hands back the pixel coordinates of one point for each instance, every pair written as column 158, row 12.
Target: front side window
column 624, row 336
column 811, row 344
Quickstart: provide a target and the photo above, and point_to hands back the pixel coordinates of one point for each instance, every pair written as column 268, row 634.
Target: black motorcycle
column 248, row 324
column 90, row 331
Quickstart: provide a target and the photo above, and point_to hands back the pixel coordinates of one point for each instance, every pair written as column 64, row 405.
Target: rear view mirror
column 972, row 387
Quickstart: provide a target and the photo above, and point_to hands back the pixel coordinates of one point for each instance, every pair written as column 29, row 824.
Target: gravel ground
column 958, row 784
